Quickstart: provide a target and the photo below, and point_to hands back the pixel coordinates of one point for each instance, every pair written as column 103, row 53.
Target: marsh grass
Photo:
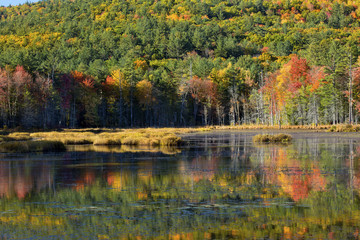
column 132, row 137
column 124, row 149
column 31, row 146
column 267, row 138
column 274, row 127
column 344, row 128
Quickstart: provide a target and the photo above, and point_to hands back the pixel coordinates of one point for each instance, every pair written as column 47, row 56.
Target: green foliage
column 175, row 41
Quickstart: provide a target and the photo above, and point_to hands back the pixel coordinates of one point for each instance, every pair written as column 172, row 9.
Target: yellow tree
column 144, row 95
column 117, row 89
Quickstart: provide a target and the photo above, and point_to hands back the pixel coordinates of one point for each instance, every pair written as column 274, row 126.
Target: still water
column 221, row 186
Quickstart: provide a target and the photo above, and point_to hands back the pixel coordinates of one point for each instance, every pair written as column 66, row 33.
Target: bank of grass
column 344, row 128
column 132, row 137
column 275, row 127
column 267, row 138
column 56, row 140
column 17, row 136
column 151, row 137
column 31, row 146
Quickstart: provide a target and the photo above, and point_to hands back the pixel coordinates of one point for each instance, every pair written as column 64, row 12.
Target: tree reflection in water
column 222, row 187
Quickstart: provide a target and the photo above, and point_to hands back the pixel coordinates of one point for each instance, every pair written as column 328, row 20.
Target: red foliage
column 109, row 81
column 20, row 77
column 201, row 89
column 78, row 76
column 88, row 82
column 265, row 49
column 299, row 70
column 316, row 74
column 41, row 88
column 3, row 84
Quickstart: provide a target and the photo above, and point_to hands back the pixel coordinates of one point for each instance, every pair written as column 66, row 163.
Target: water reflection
column 19, row 178
column 222, row 186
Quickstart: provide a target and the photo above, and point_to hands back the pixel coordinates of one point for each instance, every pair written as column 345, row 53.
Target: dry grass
column 151, row 137
column 124, row 149
column 274, row 127
column 278, row 138
column 32, row 146
column 133, row 137
column 15, row 137
column 344, row 128
column 66, row 137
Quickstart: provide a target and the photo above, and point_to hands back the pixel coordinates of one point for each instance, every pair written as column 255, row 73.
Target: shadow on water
column 220, row 186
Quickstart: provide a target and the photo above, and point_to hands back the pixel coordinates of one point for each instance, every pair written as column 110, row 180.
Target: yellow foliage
column 144, row 93
column 120, row 80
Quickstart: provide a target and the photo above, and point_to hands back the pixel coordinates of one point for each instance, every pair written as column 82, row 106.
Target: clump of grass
column 170, row 140
column 107, row 141
column 15, row 137
column 32, row 146
column 267, row 138
column 140, row 140
column 66, row 137
column 76, row 141
column 344, row 128
column 282, row 138
column 19, row 136
column 332, row 129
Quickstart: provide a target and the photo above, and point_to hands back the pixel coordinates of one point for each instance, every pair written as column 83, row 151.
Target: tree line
column 158, row 63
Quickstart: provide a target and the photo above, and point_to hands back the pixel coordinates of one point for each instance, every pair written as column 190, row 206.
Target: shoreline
column 152, row 137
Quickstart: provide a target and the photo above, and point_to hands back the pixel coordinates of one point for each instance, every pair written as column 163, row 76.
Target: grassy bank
column 324, row 128
column 149, row 137
column 132, row 137
column 276, row 127
column 41, row 141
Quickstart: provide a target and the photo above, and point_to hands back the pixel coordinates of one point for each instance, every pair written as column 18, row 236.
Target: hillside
column 89, row 63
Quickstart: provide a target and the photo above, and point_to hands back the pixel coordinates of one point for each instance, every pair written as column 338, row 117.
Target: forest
column 126, row 63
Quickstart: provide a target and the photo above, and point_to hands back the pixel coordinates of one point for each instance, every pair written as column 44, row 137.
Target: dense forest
column 123, row 63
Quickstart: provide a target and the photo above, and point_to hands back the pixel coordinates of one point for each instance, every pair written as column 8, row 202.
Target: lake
column 220, row 186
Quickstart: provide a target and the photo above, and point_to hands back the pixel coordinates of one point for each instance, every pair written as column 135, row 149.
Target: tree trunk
column 120, row 102
column 195, row 111
column 350, row 91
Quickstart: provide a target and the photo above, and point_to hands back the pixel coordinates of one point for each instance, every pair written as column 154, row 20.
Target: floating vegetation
column 267, row 138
